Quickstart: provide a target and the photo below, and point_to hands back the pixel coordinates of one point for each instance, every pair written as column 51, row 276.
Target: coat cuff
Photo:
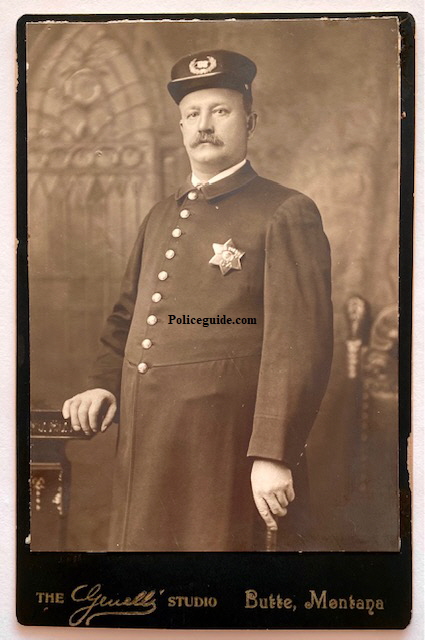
column 107, row 382
column 267, row 441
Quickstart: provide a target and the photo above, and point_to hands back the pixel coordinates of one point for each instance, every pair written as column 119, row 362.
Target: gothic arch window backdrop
column 100, row 154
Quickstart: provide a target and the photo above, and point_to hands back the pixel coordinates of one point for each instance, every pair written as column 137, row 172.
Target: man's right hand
column 90, row 410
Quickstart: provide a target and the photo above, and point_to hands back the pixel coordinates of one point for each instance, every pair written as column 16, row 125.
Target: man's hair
column 247, row 102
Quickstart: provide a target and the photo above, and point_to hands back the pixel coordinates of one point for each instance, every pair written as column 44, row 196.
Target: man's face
column 215, row 129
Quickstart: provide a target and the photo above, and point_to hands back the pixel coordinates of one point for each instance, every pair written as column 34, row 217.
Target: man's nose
column 205, row 122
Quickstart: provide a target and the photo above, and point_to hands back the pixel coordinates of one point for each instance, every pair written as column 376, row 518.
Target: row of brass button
column 162, row 276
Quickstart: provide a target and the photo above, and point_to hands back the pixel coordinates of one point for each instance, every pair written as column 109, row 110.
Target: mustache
column 206, row 137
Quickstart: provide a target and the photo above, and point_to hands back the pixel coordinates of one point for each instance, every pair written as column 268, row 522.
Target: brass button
column 146, row 344
column 156, row 297
column 184, row 213
column 162, row 275
column 170, row 254
column 151, row 320
column 192, row 195
column 176, row 233
column 142, row 367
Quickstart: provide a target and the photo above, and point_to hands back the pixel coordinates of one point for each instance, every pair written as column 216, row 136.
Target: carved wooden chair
column 372, row 441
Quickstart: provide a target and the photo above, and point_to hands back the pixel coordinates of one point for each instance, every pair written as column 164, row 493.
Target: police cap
column 211, row 69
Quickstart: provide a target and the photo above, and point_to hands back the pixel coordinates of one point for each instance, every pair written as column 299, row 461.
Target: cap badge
column 199, row 67
column 227, row 257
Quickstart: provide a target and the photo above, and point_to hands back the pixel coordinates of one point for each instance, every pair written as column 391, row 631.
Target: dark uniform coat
column 198, row 403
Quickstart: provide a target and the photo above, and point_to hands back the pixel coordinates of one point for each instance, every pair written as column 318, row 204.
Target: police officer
column 205, row 407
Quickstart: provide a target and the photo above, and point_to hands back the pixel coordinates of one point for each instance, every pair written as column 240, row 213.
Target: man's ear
column 251, row 123
column 181, row 129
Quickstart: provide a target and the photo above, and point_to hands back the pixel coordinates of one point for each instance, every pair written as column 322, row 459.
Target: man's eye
column 221, row 111
column 191, row 115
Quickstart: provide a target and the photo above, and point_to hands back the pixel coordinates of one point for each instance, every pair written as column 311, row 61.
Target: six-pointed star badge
column 226, row 256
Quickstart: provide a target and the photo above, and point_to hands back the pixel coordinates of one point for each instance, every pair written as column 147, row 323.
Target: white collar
column 223, row 174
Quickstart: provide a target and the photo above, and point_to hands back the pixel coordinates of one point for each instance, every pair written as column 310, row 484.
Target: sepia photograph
column 213, row 266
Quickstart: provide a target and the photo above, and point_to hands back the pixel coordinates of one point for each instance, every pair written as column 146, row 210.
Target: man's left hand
column 272, row 489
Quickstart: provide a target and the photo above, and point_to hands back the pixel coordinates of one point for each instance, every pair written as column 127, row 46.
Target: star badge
column 227, row 257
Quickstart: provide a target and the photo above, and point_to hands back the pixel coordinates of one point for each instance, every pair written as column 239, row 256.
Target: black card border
column 388, row 573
